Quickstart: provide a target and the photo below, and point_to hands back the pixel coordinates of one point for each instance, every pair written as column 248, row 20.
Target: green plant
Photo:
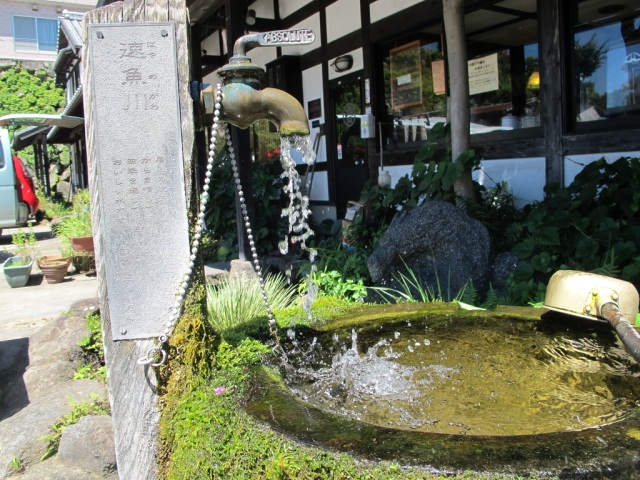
column 51, row 207
column 432, row 177
column 78, row 222
column 412, row 289
column 28, row 90
column 25, row 245
column 591, row 225
column 268, row 200
column 237, row 299
column 92, row 347
column 332, row 283
column 16, row 465
column 79, row 410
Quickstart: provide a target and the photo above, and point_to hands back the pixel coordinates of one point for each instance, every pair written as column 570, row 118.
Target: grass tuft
column 237, row 300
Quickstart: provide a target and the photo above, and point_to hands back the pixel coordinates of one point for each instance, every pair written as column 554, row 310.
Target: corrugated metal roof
column 70, row 33
column 27, row 137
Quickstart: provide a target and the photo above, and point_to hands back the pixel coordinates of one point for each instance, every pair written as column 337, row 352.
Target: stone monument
column 140, row 141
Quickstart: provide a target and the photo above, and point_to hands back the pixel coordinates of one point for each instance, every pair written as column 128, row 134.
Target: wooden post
column 551, row 114
column 453, row 15
column 132, row 386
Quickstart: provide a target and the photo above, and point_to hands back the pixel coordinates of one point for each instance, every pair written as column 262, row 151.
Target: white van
column 14, row 212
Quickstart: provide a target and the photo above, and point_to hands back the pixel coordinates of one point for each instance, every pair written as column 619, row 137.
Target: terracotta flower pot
column 54, row 267
column 82, row 244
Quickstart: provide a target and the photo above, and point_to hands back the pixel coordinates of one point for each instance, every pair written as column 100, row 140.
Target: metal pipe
column 627, row 333
column 243, row 105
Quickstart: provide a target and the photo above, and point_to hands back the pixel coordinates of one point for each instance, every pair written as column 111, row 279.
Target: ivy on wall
column 24, row 91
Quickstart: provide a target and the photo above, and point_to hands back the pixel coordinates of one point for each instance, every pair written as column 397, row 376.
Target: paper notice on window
column 437, row 73
column 483, row 74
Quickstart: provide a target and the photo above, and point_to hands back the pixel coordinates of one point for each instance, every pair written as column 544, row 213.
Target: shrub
column 592, row 225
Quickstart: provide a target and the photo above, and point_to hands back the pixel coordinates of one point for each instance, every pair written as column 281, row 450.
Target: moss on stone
column 205, row 433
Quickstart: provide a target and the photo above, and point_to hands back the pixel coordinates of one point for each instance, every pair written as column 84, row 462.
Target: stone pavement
column 40, row 326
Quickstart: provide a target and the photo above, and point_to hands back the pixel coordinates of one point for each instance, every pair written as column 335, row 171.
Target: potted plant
column 75, row 229
column 54, row 267
column 17, row 268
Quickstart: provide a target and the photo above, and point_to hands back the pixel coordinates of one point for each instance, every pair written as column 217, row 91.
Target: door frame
column 330, row 130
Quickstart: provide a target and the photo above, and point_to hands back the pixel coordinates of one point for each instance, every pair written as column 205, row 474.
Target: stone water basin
column 507, row 391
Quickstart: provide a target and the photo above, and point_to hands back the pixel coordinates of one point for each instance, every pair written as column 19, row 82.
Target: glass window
column 503, row 66
column 35, row 34
column 606, row 60
column 414, row 85
column 502, row 50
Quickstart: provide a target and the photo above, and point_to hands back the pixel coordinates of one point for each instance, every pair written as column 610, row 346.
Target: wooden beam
column 551, row 112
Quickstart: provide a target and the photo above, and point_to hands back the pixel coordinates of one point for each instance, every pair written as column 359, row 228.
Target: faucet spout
column 243, row 105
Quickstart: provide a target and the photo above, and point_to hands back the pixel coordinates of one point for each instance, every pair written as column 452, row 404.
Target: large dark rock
column 503, row 265
column 443, row 246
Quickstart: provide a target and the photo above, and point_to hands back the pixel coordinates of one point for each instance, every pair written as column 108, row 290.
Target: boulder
column 89, row 445
column 504, row 264
column 63, row 188
column 440, row 244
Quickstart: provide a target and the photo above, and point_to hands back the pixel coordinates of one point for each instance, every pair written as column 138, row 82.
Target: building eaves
column 27, row 137
column 73, row 108
column 71, row 27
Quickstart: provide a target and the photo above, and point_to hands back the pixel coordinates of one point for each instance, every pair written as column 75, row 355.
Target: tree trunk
column 453, row 13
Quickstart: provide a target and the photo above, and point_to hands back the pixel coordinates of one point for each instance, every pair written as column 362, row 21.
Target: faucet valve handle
column 277, row 38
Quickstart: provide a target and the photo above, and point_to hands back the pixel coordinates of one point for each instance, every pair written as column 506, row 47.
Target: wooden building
column 554, row 84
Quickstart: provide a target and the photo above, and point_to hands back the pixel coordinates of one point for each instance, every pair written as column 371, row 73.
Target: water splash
column 407, row 377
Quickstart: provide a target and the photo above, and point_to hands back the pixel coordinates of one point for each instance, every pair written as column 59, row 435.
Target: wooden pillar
column 551, row 112
column 368, row 86
column 132, row 387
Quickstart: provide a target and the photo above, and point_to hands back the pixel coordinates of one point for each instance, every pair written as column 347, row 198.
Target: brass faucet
column 244, row 103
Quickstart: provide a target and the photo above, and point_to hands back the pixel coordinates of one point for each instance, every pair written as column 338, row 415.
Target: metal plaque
column 302, row 36
column 140, row 180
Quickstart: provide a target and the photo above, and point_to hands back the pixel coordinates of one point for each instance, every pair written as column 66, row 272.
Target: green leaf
column 523, row 273
column 541, row 262
column 587, row 248
column 548, row 236
column 451, row 173
column 525, row 248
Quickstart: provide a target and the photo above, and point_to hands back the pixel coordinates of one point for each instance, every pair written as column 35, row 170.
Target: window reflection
column 504, row 83
column 414, row 89
column 607, row 59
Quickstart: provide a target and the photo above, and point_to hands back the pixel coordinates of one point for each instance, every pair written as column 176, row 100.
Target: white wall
column 312, row 90
column 343, row 17
column 263, row 9
column 312, row 22
column 526, row 177
column 383, row 8
column 287, row 7
column 320, row 187
column 45, row 9
column 358, row 64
